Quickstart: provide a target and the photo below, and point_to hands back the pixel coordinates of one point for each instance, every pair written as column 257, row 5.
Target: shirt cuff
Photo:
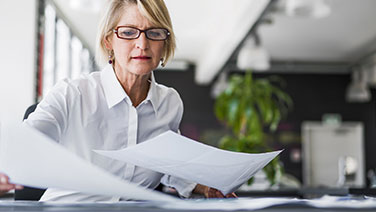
column 182, row 186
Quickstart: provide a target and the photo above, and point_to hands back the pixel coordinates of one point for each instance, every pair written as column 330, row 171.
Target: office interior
column 323, row 50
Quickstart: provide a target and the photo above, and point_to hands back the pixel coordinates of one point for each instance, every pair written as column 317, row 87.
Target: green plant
column 251, row 108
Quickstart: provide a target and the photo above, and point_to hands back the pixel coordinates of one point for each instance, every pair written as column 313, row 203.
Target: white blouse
column 94, row 112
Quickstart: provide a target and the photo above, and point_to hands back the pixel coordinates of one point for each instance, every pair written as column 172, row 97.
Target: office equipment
column 333, row 155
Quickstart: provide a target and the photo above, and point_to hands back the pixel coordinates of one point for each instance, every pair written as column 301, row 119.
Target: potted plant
column 250, row 108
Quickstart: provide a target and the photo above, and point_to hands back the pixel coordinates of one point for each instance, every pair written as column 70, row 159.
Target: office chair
column 29, row 193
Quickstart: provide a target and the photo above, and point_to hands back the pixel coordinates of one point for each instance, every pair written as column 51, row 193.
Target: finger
column 207, row 192
column 4, row 179
column 212, row 193
column 231, row 195
column 5, row 185
column 219, row 194
column 6, row 188
column 18, row 187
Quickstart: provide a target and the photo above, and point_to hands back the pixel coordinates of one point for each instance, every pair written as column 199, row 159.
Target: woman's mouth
column 141, row 58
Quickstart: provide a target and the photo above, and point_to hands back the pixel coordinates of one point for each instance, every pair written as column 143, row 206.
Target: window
column 62, row 53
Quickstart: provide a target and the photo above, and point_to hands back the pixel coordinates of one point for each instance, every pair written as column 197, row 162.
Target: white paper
column 176, row 155
column 341, row 202
column 30, row 158
column 230, row 204
column 261, row 203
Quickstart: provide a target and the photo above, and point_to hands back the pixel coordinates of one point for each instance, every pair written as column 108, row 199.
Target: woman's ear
column 107, row 43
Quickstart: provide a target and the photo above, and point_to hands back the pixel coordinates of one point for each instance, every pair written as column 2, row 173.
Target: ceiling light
column 370, row 68
column 307, row 8
column 253, row 56
column 358, row 91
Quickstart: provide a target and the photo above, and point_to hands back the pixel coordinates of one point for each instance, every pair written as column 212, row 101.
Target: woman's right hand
column 6, row 186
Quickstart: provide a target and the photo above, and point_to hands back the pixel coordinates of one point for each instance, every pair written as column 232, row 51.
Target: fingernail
column 19, row 187
column 3, row 180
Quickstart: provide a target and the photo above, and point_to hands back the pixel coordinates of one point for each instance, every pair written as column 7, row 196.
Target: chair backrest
column 29, row 193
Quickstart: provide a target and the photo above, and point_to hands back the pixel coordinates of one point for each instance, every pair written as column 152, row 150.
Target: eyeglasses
column 130, row 33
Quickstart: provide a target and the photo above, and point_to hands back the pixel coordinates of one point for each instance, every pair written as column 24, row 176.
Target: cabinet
column 333, row 155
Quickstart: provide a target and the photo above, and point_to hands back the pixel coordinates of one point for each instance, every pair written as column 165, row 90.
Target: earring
column 162, row 62
column 110, row 56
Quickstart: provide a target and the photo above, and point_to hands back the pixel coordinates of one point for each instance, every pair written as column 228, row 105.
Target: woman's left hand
column 214, row 193
column 209, row 192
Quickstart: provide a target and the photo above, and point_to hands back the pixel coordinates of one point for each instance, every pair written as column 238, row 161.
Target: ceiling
column 210, row 33
column 346, row 36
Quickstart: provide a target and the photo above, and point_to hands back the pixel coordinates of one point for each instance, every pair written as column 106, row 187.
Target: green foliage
column 249, row 106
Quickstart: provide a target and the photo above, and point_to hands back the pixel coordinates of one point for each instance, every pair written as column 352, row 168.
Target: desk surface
column 243, row 204
column 144, row 209
column 115, row 207
column 283, row 201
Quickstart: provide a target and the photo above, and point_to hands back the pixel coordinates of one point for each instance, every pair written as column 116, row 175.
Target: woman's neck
column 136, row 86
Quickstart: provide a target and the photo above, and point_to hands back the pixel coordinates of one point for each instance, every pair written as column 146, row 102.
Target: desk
column 283, row 201
column 308, row 192
column 228, row 205
column 147, row 209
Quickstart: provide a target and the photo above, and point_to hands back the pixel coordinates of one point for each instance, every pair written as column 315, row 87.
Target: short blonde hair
column 154, row 10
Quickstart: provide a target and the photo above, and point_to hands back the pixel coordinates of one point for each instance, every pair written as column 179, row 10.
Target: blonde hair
column 154, row 10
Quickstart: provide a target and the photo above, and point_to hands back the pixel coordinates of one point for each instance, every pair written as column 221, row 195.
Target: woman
column 120, row 106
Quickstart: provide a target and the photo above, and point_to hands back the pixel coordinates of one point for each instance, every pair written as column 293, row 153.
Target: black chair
column 29, row 193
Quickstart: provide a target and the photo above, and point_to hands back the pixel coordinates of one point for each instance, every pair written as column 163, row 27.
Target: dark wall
column 198, row 105
column 313, row 96
column 316, row 95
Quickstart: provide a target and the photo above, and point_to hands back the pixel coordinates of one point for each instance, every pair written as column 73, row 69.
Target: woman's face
column 139, row 56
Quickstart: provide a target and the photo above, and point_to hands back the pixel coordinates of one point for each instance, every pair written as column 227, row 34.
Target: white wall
column 18, row 21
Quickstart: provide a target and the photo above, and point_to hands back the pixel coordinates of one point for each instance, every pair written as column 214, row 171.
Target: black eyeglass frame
column 116, row 30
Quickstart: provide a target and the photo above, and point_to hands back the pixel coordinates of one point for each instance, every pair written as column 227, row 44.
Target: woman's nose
column 142, row 42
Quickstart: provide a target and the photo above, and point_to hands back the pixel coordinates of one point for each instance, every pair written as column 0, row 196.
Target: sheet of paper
column 230, row 204
column 30, row 158
column 341, row 202
column 261, row 203
column 176, row 155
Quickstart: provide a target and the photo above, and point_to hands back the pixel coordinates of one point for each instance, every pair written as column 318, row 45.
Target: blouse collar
column 114, row 92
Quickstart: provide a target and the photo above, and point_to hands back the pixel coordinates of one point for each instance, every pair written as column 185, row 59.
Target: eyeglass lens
column 133, row 33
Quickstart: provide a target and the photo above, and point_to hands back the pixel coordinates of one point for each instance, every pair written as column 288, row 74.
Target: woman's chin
column 141, row 70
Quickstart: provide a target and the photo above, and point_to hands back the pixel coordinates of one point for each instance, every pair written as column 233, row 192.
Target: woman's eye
column 154, row 34
column 128, row 33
